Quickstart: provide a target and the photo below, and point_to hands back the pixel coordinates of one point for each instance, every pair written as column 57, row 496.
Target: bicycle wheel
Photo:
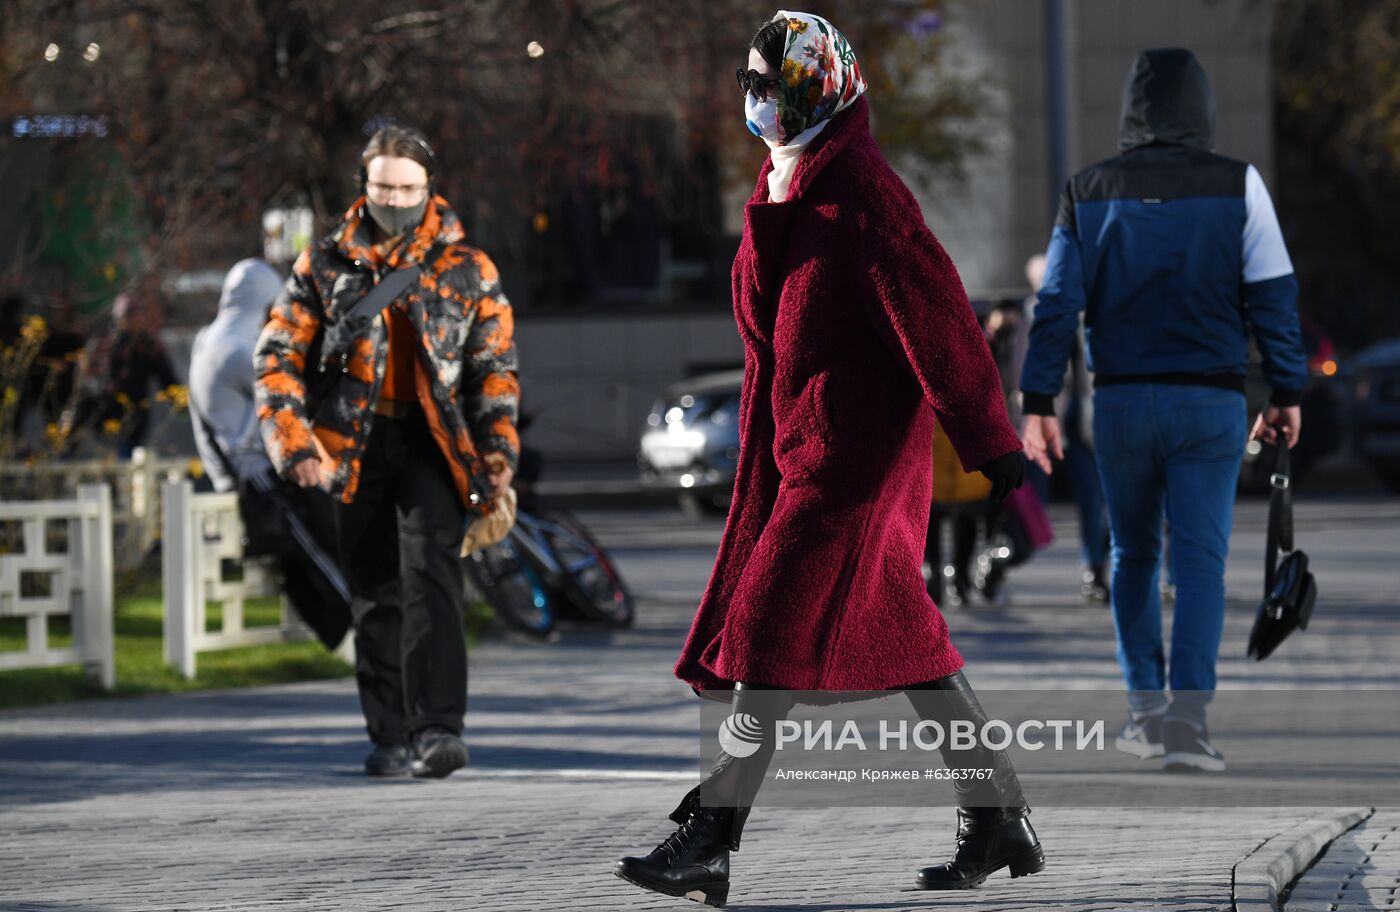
column 590, row 581
column 512, row 588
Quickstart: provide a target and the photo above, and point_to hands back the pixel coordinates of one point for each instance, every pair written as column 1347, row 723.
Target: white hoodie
column 221, row 374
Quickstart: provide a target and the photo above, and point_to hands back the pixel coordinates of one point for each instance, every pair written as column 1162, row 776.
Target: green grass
column 141, row 667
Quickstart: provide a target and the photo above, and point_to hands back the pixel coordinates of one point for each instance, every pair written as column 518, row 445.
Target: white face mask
column 761, row 117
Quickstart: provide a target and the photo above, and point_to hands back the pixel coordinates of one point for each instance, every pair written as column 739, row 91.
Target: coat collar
column 440, row 225
column 767, row 224
column 844, row 128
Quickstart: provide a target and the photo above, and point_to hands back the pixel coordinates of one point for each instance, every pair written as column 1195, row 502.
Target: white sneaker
column 1141, row 738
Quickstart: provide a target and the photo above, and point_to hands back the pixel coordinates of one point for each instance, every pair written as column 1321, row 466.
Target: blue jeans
column 1176, row 448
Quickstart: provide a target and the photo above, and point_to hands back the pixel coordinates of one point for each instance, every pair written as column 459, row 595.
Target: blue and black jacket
column 1172, row 253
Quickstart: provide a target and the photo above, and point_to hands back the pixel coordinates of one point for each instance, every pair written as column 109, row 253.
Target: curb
column 1264, row 873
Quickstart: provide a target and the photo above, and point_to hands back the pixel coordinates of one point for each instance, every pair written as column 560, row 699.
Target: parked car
column 1374, row 384
column 691, row 441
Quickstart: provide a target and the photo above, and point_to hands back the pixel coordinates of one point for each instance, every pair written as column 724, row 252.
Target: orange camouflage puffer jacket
column 466, row 378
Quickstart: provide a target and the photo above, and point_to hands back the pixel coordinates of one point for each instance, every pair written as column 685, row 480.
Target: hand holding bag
column 495, row 516
column 488, row 529
column 1290, row 591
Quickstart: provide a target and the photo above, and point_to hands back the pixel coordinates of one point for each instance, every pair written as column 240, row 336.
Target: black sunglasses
column 755, row 83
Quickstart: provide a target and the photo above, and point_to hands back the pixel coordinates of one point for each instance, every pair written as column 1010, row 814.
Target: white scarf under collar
column 785, row 158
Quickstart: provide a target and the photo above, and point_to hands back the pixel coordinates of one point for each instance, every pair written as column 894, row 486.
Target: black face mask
column 395, row 220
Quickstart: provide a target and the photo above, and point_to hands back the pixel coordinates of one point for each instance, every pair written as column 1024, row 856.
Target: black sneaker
column 1188, row 749
column 437, row 753
column 388, row 761
column 1141, row 738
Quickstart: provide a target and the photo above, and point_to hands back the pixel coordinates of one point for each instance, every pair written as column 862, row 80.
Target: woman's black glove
column 1004, row 472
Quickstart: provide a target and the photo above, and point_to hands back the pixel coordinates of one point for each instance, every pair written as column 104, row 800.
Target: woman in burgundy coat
column 857, row 334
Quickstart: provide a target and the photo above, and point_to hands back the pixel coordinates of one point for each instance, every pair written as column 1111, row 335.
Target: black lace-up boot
column 993, row 832
column 988, row 840
column 694, row 860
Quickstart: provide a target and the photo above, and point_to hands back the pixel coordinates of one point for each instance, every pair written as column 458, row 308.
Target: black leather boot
column 993, row 832
column 694, row 860
column 988, row 840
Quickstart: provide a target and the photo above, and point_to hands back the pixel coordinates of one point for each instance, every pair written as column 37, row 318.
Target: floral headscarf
column 820, row 76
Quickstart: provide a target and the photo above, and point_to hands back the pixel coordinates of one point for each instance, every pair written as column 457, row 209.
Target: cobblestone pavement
column 252, row 799
column 1359, row 871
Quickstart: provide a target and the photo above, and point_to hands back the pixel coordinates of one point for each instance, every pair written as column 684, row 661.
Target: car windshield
column 690, row 408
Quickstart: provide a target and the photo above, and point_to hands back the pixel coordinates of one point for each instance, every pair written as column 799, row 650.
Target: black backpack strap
column 1280, row 534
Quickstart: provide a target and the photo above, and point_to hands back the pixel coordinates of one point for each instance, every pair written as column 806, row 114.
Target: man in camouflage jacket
column 422, row 404
column 457, row 310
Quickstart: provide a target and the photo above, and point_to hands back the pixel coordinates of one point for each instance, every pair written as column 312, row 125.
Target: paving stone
column 253, row 799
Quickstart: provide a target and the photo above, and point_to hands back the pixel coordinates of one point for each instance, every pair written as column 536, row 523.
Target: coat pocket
column 805, row 435
column 810, row 416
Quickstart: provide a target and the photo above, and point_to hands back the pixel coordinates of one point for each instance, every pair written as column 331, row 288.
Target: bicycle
column 546, row 562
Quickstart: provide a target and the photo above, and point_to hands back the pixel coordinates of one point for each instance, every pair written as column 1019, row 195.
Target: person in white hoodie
column 221, row 376
column 231, row 447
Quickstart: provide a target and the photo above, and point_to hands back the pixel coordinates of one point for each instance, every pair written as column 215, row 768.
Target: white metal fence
column 62, row 567
column 135, row 491
column 202, row 554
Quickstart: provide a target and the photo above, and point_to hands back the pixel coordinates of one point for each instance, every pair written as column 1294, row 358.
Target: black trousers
column 399, row 543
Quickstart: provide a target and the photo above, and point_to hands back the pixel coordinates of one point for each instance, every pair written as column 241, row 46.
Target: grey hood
column 221, row 373
column 1167, row 99
column 248, row 292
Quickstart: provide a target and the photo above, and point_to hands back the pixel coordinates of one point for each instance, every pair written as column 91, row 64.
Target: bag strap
column 384, row 293
column 1280, row 534
column 213, row 441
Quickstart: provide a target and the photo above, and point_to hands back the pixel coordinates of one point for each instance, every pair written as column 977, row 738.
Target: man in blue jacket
column 1174, row 256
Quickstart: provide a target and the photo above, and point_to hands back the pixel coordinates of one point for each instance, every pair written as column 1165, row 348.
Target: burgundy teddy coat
column 856, row 332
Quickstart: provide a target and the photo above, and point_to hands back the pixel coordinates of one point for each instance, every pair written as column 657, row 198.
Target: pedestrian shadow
column 1338, row 877
column 969, row 899
column 517, row 757
column 47, row 769
column 13, row 905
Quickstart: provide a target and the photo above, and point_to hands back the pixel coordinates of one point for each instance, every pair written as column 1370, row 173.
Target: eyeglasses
column 382, row 193
column 755, row 83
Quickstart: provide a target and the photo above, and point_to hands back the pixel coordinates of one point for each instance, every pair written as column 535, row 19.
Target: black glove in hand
column 1004, row 472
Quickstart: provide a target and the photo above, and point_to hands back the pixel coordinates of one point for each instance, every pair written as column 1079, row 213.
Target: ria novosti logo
column 740, row 735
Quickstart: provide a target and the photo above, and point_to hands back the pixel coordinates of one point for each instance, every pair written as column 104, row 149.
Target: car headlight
column 678, row 435
column 676, row 446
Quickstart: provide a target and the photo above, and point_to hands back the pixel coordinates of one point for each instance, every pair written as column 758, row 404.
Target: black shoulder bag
column 264, row 515
column 1290, row 591
column 281, row 521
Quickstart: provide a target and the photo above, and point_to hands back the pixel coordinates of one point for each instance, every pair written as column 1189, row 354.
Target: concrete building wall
column 591, row 381
column 1002, row 215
